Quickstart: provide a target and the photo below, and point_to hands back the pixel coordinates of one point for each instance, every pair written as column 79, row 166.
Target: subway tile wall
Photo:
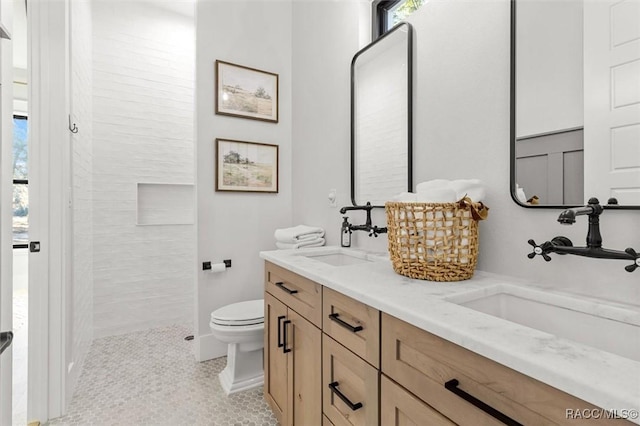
column 81, row 306
column 143, row 132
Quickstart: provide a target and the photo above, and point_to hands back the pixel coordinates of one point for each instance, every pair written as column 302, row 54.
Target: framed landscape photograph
column 246, row 92
column 246, row 166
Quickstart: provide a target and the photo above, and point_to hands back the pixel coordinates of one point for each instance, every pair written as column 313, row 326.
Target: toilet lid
column 243, row 313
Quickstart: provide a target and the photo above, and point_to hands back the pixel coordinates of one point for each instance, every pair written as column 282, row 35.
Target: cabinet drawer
column 349, row 386
column 353, row 324
column 399, row 407
column 326, row 421
column 300, row 294
column 423, row 363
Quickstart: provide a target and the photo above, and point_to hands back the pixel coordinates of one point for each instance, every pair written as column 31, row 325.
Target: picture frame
column 243, row 166
column 246, row 92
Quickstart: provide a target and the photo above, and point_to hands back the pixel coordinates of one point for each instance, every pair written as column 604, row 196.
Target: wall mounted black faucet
column 367, row 227
column 563, row 245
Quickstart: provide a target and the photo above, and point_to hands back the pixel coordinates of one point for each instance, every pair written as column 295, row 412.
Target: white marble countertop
column 604, row 379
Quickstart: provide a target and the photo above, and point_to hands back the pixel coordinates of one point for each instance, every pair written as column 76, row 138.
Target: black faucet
column 563, row 245
column 367, row 227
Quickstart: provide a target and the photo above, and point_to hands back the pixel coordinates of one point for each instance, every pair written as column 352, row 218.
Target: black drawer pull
column 353, row 329
column 334, row 388
column 284, row 342
column 280, row 318
column 288, row 290
column 452, row 386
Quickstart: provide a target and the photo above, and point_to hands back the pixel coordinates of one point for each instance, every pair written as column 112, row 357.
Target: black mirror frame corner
column 409, row 106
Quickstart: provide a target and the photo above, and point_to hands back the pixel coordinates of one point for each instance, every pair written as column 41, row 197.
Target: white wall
column 326, row 35
column 80, row 294
column 549, row 74
column 461, row 129
column 143, row 95
column 238, row 226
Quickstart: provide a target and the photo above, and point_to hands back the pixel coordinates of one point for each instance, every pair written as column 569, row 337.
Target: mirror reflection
column 576, row 86
column 381, row 118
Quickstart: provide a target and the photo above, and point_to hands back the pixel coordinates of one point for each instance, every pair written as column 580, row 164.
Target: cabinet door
column 350, row 386
column 275, row 360
column 399, row 407
column 303, row 340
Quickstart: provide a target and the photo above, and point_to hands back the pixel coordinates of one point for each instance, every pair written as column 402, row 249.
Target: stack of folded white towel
column 299, row 237
column 445, row 191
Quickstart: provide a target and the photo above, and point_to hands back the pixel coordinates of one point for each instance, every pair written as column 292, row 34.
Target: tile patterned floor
column 152, row 378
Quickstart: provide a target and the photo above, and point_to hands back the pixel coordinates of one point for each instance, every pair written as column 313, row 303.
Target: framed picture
column 246, row 166
column 246, row 92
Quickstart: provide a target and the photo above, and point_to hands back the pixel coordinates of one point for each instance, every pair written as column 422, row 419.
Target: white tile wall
column 165, row 204
column 81, row 309
column 143, row 106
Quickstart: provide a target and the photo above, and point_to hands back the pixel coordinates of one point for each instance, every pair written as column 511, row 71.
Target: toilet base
column 244, row 370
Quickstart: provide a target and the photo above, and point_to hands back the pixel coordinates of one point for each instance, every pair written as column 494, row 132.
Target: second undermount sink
column 611, row 327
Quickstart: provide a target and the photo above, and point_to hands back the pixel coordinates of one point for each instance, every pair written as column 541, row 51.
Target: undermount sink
column 340, row 258
column 611, row 327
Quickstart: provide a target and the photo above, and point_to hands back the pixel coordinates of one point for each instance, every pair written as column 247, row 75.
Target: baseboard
column 208, row 347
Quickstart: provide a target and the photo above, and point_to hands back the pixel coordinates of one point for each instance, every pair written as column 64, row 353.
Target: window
column 387, row 13
column 20, row 183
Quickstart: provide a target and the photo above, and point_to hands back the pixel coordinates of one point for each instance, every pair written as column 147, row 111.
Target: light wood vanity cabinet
column 292, row 348
column 298, row 293
column 443, row 374
column 350, row 386
column 401, row 408
column 354, row 324
column 350, row 360
column 333, row 361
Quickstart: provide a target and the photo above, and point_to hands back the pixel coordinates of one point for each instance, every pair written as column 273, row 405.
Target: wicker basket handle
column 478, row 210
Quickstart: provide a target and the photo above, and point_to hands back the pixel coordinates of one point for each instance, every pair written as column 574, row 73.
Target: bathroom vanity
column 349, row 342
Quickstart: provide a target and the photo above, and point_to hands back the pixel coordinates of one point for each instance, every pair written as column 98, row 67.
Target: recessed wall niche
column 165, row 204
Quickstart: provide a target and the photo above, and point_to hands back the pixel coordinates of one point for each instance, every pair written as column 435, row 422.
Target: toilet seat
column 239, row 314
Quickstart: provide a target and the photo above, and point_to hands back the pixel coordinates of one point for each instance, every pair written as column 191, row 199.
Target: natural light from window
column 402, row 10
column 20, row 182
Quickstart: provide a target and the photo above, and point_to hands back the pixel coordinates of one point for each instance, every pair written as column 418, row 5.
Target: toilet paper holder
column 207, row 266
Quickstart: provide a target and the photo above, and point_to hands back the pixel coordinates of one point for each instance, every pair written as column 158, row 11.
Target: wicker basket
column 434, row 241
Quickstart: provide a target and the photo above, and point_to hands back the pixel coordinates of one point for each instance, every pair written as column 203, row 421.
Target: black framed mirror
column 381, row 118
column 575, row 103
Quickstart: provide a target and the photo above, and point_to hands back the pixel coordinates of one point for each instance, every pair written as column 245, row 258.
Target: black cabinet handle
column 452, row 386
column 284, row 342
column 353, row 329
column 288, row 290
column 6, row 337
column 280, row 318
column 334, row 388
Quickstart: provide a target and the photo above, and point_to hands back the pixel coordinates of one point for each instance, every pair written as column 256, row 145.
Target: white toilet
column 241, row 325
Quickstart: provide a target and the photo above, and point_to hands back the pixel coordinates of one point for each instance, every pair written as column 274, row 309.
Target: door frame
column 49, row 200
column 6, row 214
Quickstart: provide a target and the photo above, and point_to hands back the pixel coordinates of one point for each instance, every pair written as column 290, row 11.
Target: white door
column 612, row 99
column 6, row 190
